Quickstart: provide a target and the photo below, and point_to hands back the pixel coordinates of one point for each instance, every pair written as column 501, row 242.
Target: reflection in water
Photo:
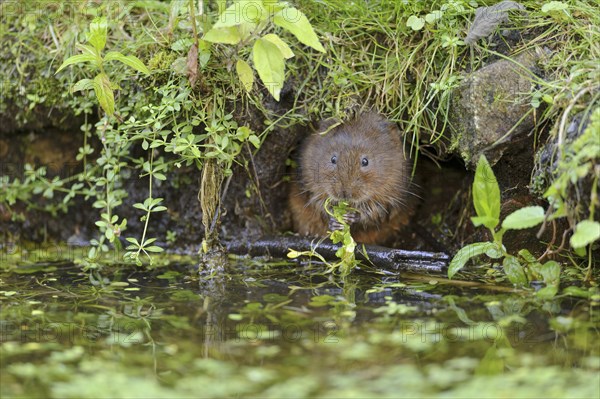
column 276, row 330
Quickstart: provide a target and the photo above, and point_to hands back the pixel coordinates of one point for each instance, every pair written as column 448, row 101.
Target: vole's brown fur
column 333, row 165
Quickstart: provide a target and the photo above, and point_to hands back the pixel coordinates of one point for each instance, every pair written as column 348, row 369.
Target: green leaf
column 98, row 33
column 269, row 64
column 466, row 253
column 483, row 220
column 486, row 194
column 241, row 12
column 129, row 60
column 254, row 140
column 153, row 248
column 293, row 254
column 514, row 271
column 76, row 59
column 554, row 6
column 179, row 66
column 104, row 93
column 433, row 16
column 524, row 218
column 577, row 291
column 243, row 132
column 495, row 252
column 415, row 23
column 547, row 292
column 550, row 272
column 230, row 35
column 109, row 234
column 527, row 256
column 283, row 47
column 83, row 84
column 85, row 49
column 296, row 22
column 586, row 232
column 245, row 74
column 204, row 53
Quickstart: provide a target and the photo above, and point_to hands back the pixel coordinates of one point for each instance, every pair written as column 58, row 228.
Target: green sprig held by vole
column 346, row 252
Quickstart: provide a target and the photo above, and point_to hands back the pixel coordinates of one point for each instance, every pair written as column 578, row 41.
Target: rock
column 491, row 109
column 487, row 19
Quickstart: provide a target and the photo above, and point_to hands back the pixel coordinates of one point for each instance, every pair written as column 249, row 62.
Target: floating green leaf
column 524, row 218
column 269, row 64
column 296, row 22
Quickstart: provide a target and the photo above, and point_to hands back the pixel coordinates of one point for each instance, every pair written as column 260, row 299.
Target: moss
column 162, row 60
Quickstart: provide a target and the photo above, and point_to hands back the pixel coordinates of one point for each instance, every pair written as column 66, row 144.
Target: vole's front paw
column 349, row 218
column 335, row 225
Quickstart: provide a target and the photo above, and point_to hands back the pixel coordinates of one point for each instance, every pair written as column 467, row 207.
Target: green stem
column 593, row 198
column 141, row 248
column 85, row 121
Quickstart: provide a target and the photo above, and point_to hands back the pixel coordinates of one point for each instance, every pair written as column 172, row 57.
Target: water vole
column 363, row 163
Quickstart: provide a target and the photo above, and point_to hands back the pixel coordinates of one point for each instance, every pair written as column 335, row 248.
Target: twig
column 552, row 241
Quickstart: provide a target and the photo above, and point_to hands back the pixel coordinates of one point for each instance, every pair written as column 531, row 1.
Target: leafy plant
column 448, row 10
column 92, row 54
column 486, row 199
column 113, row 149
column 346, row 252
column 244, row 20
column 578, row 162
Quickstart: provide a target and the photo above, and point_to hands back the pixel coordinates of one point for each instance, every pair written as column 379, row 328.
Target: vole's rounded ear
column 381, row 123
column 386, row 125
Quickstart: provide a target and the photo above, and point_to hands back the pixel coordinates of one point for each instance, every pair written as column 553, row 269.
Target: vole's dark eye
column 334, row 159
column 364, row 162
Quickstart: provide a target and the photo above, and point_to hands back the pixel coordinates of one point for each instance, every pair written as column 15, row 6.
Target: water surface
column 277, row 329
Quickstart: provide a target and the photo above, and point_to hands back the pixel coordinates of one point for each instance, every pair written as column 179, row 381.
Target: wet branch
column 381, row 257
